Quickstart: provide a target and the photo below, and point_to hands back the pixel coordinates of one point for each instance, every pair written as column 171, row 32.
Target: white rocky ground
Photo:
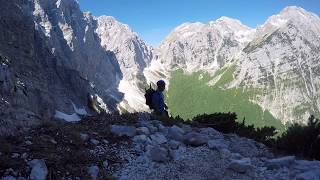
column 184, row 152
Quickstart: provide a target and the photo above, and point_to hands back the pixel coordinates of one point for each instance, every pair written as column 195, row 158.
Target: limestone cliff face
column 133, row 56
column 32, row 84
column 70, row 35
column 71, row 54
column 282, row 64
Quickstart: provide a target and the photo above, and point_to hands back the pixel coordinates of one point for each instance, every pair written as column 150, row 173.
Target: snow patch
column 132, row 95
column 101, row 102
column 80, row 111
column 69, row 118
column 200, row 77
column 39, row 169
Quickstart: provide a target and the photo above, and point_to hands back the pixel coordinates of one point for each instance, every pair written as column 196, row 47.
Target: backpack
column 148, row 95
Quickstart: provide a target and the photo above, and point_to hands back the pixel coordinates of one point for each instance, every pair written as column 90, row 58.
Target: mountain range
column 53, row 57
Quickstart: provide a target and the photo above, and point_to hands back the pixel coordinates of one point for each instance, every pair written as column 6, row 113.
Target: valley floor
column 134, row 147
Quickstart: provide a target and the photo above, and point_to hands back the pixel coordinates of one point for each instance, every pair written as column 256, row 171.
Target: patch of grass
column 189, row 96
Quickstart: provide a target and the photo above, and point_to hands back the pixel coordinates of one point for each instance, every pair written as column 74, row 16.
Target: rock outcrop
column 33, row 84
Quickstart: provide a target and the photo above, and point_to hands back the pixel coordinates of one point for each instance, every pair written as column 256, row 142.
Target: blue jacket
column 158, row 102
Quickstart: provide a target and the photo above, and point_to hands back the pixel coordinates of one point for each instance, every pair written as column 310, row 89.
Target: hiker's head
column 161, row 85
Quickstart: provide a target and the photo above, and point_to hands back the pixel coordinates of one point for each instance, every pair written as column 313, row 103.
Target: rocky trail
column 135, row 147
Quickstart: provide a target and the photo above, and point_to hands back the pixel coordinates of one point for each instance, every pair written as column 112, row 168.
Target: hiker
column 159, row 107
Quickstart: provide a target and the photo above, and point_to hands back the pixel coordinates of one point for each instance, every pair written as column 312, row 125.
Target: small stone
column 143, row 123
column 84, row 137
column 119, row 130
column 143, row 130
column 15, row 155
column 161, row 127
column 148, row 147
column 105, row 164
column 186, row 128
column 28, row 142
column 39, row 169
column 152, row 129
column 218, row 144
column 158, row 138
column 195, row 139
column 53, row 141
column 176, row 154
column 176, row 133
column 174, row 144
column 94, row 141
column 159, row 154
column 105, row 141
column 140, row 138
column 241, row 166
column 27, row 137
column 139, row 147
column 93, row 171
column 209, row 131
column 236, row 156
column 225, row 153
column 24, row 156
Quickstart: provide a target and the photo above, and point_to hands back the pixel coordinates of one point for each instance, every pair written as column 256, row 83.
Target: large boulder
column 241, row 166
column 158, row 138
column 218, row 144
column 312, row 174
column 39, row 169
column 210, row 131
column 159, row 154
column 175, row 133
column 143, row 130
column 93, row 171
column 304, row 165
column 195, row 139
column 119, row 130
column 140, row 138
column 152, row 128
column 280, row 162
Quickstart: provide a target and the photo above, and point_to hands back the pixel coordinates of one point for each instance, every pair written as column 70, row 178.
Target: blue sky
column 154, row 19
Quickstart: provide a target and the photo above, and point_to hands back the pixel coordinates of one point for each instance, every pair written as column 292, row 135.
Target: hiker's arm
column 155, row 103
column 162, row 105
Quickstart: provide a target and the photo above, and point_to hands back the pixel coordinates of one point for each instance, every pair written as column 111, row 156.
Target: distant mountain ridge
column 278, row 60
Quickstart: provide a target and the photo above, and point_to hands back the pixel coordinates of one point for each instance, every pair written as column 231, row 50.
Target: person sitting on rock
column 159, row 107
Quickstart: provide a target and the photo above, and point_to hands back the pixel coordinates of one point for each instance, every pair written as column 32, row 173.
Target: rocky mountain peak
column 233, row 27
column 111, row 22
column 67, row 4
column 291, row 15
column 230, row 23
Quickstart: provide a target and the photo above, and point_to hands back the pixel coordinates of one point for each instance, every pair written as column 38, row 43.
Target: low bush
column 226, row 123
column 300, row 140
